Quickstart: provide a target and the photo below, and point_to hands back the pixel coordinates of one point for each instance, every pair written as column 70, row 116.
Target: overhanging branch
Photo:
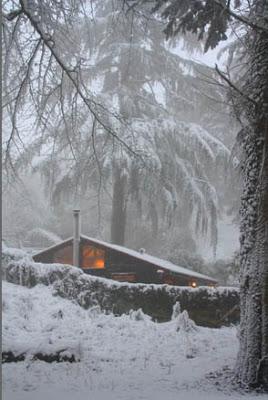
column 244, row 20
column 89, row 103
column 235, row 88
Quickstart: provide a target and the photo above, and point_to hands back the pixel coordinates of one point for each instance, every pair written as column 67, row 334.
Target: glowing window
column 92, row 257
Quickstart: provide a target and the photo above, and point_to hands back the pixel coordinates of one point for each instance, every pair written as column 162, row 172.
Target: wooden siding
column 99, row 260
column 64, row 255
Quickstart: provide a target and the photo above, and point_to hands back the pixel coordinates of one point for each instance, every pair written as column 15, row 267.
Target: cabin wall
column 61, row 254
column 119, row 262
column 101, row 261
column 44, row 258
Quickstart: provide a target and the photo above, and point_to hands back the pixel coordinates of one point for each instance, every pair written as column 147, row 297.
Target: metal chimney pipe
column 76, row 238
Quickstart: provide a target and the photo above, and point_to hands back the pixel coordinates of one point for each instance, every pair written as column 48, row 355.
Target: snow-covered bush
column 28, row 273
column 176, row 310
column 184, row 323
column 11, row 254
column 206, row 306
column 187, row 330
column 138, row 315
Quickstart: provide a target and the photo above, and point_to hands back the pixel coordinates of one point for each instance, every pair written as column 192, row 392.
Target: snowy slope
column 127, row 357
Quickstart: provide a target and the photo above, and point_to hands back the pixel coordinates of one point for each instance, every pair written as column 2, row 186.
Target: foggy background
column 168, row 185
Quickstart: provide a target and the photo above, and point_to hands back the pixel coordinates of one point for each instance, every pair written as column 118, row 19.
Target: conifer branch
column 89, row 103
column 239, row 18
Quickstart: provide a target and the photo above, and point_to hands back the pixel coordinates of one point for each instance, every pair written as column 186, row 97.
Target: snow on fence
column 212, row 307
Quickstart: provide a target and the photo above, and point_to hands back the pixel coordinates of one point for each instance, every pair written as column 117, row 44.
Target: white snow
column 125, row 358
column 145, row 44
column 14, row 253
column 210, row 58
column 159, row 92
column 40, row 233
column 96, row 85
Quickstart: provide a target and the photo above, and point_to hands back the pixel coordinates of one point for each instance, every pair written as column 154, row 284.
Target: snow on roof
column 150, row 259
column 144, row 257
column 54, row 246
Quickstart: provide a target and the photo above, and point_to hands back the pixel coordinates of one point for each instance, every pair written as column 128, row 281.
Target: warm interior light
column 193, row 284
column 99, row 263
column 93, row 257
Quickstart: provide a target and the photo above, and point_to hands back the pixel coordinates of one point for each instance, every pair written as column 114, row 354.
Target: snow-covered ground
column 122, row 358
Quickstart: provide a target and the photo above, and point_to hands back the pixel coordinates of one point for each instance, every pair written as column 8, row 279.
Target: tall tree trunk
column 119, row 206
column 252, row 363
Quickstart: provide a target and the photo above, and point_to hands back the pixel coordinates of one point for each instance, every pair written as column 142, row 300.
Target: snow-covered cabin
column 108, row 260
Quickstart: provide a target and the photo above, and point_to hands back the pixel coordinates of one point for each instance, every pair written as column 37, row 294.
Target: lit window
column 92, row 257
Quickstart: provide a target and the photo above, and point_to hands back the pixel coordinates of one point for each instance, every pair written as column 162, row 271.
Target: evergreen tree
column 153, row 155
column 209, row 20
column 147, row 96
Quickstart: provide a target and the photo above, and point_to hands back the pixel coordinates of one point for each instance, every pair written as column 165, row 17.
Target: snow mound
column 35, row 322
column 121, row 358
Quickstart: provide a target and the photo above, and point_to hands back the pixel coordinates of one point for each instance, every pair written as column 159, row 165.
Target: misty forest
column 135, row 199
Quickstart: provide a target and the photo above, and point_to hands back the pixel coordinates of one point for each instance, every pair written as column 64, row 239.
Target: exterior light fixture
column 160, row 271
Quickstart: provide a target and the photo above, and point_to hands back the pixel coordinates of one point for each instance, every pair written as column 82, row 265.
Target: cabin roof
column 135, row 254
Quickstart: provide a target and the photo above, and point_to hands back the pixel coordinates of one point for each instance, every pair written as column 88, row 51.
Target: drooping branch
column 91, row 105
column 240, row 18
column 18, row 100
column 178, row 16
